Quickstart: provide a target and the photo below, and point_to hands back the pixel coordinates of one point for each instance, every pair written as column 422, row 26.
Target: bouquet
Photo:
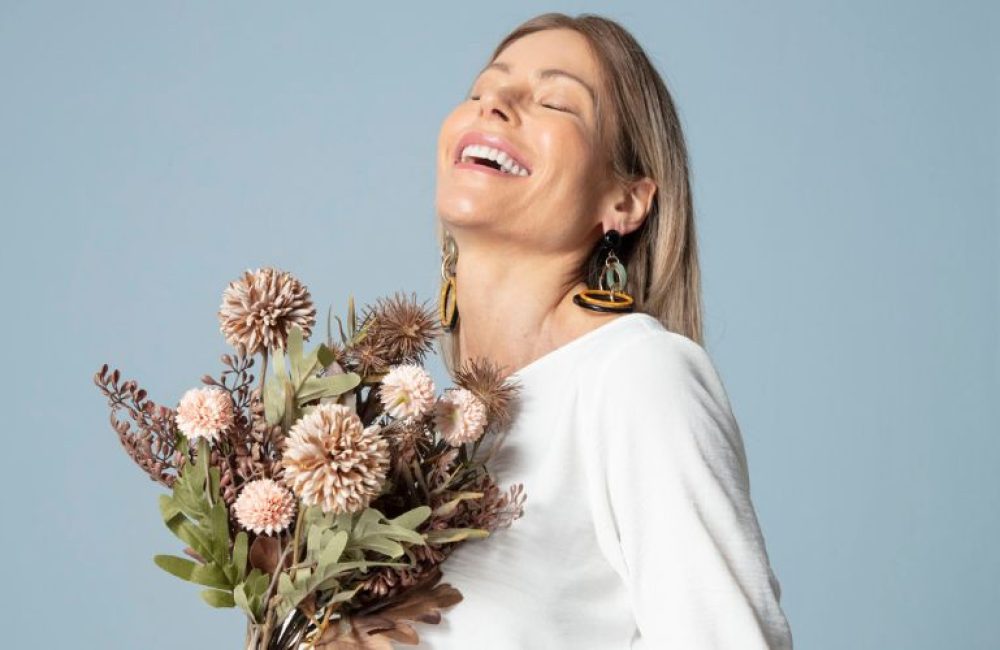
column 322, row 500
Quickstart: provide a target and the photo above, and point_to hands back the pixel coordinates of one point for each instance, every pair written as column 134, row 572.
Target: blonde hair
column 642, row 133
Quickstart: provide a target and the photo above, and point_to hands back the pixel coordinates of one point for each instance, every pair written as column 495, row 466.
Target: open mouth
column 483, row 157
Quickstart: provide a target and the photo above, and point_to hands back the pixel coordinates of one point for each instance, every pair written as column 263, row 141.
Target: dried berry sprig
column 149, row 433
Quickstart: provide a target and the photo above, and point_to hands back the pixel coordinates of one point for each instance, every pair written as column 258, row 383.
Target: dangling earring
column 447, row 308
column 613, row 297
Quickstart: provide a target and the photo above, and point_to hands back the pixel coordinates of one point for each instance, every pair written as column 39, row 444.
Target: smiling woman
column 562, row 182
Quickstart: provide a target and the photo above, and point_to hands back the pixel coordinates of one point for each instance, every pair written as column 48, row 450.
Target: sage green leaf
column 168, row 509
column 447, row 535
column 243, row 602
column 178, row 566
column 383, row 545
column 210, row 575
column 325, row 355
column 413, row 518
column 319, row 387
column 274, row 400
column 219, row 529
column 333, row 549
column 217, row 598
column 240, row 551
column 294, row 344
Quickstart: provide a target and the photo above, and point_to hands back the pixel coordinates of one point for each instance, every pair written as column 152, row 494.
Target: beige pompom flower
column 205, row 413
column 460, row 416
column 265, row 507
column 333, row 461
column 407, row 390
column 259, row 309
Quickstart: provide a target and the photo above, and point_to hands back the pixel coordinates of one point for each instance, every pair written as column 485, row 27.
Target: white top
column 638, row 529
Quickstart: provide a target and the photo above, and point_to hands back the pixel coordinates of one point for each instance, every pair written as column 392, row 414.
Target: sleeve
column 677, row 522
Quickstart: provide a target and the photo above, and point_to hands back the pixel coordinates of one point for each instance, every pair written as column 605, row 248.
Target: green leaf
column 177, row 566
column 333, row 549
column 274, row 400
column 219, row 529
column 383, row 545
column 294, row 344
column 447, row 535
column 412, row 518
column 240, row 550
column 211, row 575
column 243, row 602
column 319, row 387
column 217, row 598
column 325, row 355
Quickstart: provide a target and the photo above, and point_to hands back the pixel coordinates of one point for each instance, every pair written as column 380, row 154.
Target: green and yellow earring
column 610, row 296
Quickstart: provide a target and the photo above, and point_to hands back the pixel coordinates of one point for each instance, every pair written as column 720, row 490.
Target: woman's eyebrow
column 545, row 74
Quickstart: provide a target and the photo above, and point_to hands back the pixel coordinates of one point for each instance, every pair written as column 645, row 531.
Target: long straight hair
column 641, row 131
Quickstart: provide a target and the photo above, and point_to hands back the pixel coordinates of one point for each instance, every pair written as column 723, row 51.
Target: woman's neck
column 514, row 307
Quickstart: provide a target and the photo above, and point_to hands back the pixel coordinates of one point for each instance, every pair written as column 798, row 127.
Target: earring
column 610, row 298
column 447, row 308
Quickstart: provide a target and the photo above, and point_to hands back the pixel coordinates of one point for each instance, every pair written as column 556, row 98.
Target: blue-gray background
column 845, row 161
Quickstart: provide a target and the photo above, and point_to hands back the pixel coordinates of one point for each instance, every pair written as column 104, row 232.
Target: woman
column 638, row 529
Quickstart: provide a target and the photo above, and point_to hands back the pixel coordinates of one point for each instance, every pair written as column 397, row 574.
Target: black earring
column 610, row 295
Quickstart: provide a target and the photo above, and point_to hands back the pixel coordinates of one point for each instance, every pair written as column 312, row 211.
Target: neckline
column 572, row 344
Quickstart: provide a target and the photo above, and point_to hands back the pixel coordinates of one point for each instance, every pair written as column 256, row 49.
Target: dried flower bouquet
column 323, row 500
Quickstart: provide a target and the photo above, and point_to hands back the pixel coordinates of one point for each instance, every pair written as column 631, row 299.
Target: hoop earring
column 610, row 298
column 447, row 307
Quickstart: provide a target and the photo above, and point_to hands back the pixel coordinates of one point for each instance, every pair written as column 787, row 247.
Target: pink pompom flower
column 460, row 416
column 407, row 391
column 265, row 507
column 205, row 413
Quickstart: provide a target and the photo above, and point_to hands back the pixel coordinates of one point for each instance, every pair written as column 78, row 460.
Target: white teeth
column 506, row 163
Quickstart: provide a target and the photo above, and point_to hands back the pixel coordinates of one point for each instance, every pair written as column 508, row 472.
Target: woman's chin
column 471, row 206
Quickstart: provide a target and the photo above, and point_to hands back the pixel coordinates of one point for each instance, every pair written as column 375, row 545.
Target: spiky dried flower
column 460, row 416
column 264, row 507
column 332, row 460
column 407, row 329
column 259, row 308
column 484, row 378
column 205, row 413
column 369, row 356
column 407, row 390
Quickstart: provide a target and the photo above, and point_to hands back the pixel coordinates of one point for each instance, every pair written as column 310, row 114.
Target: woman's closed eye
column 550, row 105
column 556, row 107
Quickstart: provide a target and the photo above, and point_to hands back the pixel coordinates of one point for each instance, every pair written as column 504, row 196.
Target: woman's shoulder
column 647, row 367
column 648, row 351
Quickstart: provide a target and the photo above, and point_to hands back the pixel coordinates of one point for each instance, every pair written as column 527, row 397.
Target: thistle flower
column 405, row 328
column 333, row 461
column 205, row 413
column 460, row 416
column 484, row 378
column 265, row 507
column 368, row 356
column 407, row 390
column 259, row 309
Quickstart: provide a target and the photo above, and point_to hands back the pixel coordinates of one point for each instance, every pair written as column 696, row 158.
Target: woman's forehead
column 560, row 49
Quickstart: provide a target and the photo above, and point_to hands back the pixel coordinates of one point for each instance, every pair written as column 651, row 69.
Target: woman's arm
column 676, row 519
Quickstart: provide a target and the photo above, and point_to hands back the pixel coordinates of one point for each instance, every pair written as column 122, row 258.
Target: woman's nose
column 498, row 103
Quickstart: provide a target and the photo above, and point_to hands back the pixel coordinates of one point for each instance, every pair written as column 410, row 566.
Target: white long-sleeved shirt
column 638, row 529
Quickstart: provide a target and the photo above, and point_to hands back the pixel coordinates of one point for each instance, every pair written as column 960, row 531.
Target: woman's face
column 535, row 103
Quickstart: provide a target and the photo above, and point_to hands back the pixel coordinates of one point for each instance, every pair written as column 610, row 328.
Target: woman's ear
column 631, row 204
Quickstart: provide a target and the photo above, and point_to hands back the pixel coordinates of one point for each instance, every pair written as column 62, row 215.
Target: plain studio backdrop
column 845, row 170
